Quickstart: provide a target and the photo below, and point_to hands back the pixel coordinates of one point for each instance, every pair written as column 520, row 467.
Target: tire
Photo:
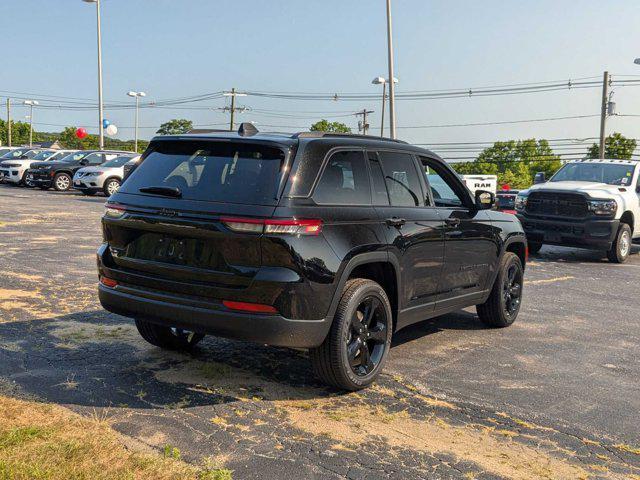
column 111, row 186
column 23, row 182
column 352, row 328
column 502, row 307
column 534, row 247
column 62, row 182
column 621, row 247
column 166, row 337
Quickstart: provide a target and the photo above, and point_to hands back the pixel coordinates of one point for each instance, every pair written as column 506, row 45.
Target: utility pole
column 603, row 112
column 9, row 122
column 363, row 126
column 233, row 94
column 392, row 98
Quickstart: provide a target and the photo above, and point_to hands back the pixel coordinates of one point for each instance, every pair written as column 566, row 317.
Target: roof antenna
column 247, row 130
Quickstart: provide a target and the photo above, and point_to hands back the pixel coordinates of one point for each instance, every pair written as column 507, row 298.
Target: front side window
column 118, row 161
column 239, row 172
column 610, row 173
column 402, row 180
column 45, row 155
column 440, row 185
column 344, row 181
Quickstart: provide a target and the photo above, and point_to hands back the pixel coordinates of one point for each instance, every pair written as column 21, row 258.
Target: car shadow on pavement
column 97, row 359
column 575, row 255
column 460, row 320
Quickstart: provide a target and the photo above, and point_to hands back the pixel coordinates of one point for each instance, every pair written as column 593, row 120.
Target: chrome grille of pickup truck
column 557, row 204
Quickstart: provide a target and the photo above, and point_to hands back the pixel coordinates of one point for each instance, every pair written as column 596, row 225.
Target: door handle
column 452, row 222
column 395, row 222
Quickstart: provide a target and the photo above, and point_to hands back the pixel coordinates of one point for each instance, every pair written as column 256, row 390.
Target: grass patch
column 48, row 442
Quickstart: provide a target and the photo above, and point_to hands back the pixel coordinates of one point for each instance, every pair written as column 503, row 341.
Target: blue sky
column 172, row 48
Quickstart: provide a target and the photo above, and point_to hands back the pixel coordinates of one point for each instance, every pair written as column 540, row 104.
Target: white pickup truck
column 589, row 203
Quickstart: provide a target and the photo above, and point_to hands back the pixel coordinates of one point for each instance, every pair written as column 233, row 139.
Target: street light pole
column 137, row 96
column 392, row 98
column 100, row 106
column 603, row 113
column 31, row 104
column 382, row 81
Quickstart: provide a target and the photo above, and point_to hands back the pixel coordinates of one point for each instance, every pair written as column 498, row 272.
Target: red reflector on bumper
column 249, row 307
column 108, row 282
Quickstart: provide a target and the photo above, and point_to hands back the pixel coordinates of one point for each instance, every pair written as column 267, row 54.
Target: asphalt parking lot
column 557, row 395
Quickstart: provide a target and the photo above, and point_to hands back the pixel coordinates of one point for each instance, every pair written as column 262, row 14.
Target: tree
column 176, row 126
column 616, row 145
column 326, row 126
column 514, row 162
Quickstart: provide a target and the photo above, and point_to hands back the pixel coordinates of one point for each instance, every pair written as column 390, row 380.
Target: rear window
column 212, row 171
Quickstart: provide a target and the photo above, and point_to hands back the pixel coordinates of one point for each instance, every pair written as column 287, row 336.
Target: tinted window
column 402, row 179
column 345, row 181
column 118, row 161
column 379, row 194
column 214, row 171
column 44, row 155
column 72, row 157
column 442, row 190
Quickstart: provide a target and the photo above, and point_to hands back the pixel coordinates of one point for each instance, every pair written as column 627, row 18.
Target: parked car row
column 88, row 171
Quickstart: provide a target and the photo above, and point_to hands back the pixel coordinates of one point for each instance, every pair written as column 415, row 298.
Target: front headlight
column 521, row 202
column 603, row 207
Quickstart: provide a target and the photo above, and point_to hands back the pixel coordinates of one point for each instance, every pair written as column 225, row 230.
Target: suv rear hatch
column 172, row 219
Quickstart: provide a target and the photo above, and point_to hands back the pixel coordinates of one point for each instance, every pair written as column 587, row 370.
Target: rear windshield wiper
column 165, row 191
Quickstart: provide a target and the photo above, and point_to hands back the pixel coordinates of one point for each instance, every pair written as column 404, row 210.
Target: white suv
column 15, row 169
column 106, row 177
column 590, row 204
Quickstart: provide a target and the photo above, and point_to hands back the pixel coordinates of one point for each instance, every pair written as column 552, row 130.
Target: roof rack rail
column 317, row 134
column 207, row 130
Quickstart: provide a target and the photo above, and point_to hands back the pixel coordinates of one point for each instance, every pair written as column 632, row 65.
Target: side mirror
column 485, row 200
column 539, row 178
column 84, row 161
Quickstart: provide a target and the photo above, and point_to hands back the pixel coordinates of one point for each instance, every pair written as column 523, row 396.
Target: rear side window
column 345, row 180
column 401, row 177
column 212, row 171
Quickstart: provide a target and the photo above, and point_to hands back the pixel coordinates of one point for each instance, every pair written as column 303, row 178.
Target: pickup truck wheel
column 621, row 247
column 356, row 348
column 503, row 304
column 167, row 337
column 534, row 247
column 62, row 182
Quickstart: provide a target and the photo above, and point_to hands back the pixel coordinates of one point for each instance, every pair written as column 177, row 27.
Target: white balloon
column 112, row 130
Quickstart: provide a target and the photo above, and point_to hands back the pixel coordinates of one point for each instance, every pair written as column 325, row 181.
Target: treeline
column 68, row 138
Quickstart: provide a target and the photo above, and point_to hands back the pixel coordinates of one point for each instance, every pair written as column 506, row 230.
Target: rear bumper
column 137, row 296
column 591, row 233
column 167, row 310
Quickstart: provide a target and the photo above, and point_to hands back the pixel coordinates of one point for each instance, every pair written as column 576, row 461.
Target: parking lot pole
column 392, row 98
column 8, row 121
column 603, row 112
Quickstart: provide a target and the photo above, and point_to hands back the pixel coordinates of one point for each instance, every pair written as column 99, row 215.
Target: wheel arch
column 628, row 218
column 377, row 266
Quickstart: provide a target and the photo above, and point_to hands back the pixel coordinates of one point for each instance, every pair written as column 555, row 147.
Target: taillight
column 113, row 210
column 249, row 307
column 289, row 226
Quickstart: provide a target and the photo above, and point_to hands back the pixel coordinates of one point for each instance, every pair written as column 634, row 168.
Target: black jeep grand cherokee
column 322, row 241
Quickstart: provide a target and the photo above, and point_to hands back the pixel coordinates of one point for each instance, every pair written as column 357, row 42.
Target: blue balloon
column 105, row 123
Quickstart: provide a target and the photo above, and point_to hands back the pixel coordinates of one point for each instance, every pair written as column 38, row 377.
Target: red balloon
column 81, row 133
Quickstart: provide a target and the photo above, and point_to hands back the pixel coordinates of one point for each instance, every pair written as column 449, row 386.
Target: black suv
column 322, row 241
column 59, row 174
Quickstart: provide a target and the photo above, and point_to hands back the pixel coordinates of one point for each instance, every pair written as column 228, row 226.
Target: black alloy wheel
column 356, row 348
column 502, row 307
column 367, row 336
column 512, row 290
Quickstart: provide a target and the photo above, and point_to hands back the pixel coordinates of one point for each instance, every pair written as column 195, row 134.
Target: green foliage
column 616, row 145
column 177, row 126
column 327, row 126
column 170, row 451
column 19, row 133
column 514, row 162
